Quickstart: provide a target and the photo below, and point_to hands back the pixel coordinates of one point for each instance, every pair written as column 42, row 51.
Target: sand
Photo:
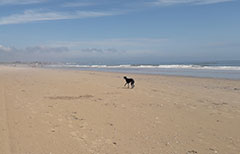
column 82, row 112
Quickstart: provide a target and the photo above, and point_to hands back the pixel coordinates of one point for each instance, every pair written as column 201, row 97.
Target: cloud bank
column 35, row 53
column 4, row 48
column 87, row 51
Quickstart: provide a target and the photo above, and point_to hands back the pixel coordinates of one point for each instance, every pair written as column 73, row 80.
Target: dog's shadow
column 126, row 88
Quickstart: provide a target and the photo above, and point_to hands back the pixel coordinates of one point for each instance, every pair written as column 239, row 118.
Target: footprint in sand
column 192, row 152
column 54, row 128
column 74, row 118
column 110, row 142
column 76, row 135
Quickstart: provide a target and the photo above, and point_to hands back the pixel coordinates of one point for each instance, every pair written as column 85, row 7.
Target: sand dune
column 80, row 112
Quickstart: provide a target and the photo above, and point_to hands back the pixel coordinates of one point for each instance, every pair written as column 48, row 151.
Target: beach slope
column 71, row 112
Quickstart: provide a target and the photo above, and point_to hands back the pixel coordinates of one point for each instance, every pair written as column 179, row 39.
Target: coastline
column 198, row 71
column 87, row 69
column 224, row 72
column 59, row 111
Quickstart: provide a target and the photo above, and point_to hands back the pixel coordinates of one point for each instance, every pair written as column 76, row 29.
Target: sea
column 214, row 69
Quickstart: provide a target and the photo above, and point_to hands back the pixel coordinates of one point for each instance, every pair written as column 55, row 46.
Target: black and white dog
column 129, row 80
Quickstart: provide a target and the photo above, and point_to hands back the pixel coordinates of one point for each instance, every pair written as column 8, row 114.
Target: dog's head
column 125, row 77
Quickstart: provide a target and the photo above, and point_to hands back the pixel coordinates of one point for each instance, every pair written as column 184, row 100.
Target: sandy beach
column 45, row 111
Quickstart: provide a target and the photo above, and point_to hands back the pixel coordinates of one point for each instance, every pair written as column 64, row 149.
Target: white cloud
column 33, row 49
column 32, row 16
column 100, row 50
column 204, row 2
column 33, row 53
column 45, row 49
column 4, row 49
column 77, row 4
column 194, row 2
column 115, row 42
column 21, row 2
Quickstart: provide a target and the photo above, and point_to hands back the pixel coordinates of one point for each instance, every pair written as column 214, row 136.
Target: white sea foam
column 193, row 67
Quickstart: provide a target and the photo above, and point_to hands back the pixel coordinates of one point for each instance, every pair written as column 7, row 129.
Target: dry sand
column 80, row 112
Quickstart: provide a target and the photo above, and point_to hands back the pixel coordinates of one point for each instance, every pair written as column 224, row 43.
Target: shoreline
column 119, row 72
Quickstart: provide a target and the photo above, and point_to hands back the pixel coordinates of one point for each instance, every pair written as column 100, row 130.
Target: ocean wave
column 194, row 67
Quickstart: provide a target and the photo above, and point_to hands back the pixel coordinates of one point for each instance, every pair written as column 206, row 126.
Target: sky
column 119, row 31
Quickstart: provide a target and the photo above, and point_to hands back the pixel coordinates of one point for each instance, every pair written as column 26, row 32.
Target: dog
column 129, row 80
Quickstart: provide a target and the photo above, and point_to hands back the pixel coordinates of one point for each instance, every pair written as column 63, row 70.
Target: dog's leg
column 133, row 86
column 125, row 84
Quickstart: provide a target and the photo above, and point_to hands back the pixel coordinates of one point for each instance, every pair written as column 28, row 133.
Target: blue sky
column 119, row 31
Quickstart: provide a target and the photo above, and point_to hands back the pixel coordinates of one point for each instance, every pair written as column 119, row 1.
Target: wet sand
column 71, row 112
